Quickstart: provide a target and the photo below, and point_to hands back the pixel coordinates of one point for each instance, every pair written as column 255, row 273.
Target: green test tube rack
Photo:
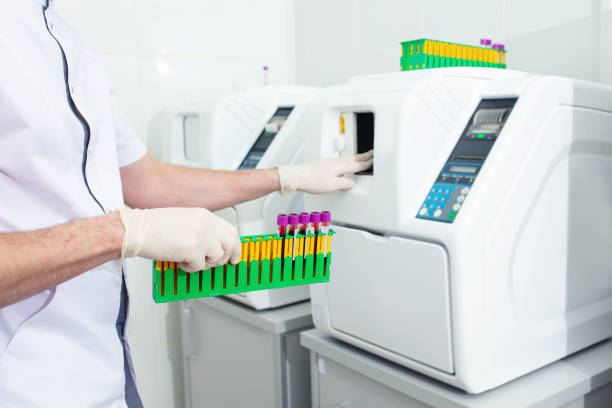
column 267, row 262
column 425, row 53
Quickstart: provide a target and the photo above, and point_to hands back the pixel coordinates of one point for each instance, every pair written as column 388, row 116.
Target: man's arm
column 38, row 260
column 148, row 183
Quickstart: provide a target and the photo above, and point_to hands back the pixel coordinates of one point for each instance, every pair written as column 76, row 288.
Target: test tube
column 315, row 220
column 282, row 220
column 294, row 220
column 304, row 218
column 325, row 220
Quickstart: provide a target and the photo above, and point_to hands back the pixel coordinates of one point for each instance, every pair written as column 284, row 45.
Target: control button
column 465, row 190
column 437, row 213
column 435, row 198
column 460, row 199
column 451, row 188
column 429, row 197
column 442, row 198
column 452, row 215
column 423, row 211
column 430, row 212
column 442, row 205
column 456, row 207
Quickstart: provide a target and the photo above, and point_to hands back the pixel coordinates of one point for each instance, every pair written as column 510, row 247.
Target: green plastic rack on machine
column 261, row 267
column 425, row 53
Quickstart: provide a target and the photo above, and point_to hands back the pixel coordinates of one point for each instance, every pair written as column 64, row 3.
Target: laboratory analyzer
column 477, row 248
column 249, row 129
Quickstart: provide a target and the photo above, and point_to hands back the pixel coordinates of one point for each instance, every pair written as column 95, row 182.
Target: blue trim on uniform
column 131, row 392
column 77, row 114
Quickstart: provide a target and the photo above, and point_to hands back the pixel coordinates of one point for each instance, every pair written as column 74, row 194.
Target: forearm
column 149, row 184
column 37, row 260
column 214, row 189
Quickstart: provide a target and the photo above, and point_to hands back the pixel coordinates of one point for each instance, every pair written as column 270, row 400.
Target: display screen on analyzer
column 448, row 194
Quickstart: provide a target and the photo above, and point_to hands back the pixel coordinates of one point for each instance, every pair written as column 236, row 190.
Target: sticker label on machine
column 449, row 192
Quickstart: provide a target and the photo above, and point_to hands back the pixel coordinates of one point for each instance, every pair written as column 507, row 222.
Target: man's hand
column 194, row 237
column 323, row 176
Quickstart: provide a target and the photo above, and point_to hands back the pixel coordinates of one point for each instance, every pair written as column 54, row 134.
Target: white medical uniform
column 62, row 141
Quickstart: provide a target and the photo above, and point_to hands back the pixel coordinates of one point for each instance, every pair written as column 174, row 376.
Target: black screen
column 364, row 122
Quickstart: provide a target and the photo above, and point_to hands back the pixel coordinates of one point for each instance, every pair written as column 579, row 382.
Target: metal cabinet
column 343, row 376
column 237, row 357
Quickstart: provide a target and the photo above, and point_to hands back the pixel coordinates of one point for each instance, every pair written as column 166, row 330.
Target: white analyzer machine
column 479, row 247
column 254, row 128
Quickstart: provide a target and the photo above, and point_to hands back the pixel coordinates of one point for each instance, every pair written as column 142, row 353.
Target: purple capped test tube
column 282, row 220
column 304, row 219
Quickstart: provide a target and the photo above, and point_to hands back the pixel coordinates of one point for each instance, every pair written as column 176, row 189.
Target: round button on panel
column 460, row 199
column 423, row 211
column 437, row 213
column 465, row 190
column 456, row 207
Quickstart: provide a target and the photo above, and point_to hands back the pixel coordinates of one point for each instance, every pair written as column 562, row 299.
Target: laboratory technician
column 69, row 160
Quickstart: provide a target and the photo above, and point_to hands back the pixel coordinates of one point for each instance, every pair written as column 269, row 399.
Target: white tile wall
column 351, row 37
column 161, row 52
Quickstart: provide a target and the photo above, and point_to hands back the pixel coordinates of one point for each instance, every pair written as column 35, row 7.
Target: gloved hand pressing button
column 323, row 176
column 193, row 237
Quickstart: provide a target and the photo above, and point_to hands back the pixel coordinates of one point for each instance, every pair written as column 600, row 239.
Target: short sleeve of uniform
column 129, row 146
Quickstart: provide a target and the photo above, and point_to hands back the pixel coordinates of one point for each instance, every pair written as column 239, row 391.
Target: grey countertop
column 280, row 320
column 550, row 386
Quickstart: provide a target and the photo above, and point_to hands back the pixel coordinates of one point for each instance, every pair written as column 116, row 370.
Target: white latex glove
column 323, row 176
column 194, row 237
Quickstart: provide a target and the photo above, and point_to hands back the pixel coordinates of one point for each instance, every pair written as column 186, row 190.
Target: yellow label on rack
column 426, row 47
column 411, row 49
column 329, row 240
column 342, row 125
column 288, row 247
column 309, row 243
column 158, row 265
column 244, row 251
column 417, row 50
column 256, row 250
column 269, row 249
column 299, row 249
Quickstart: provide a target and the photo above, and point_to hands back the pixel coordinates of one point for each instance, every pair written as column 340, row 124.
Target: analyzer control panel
column 265, row 138
column 451, row 188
